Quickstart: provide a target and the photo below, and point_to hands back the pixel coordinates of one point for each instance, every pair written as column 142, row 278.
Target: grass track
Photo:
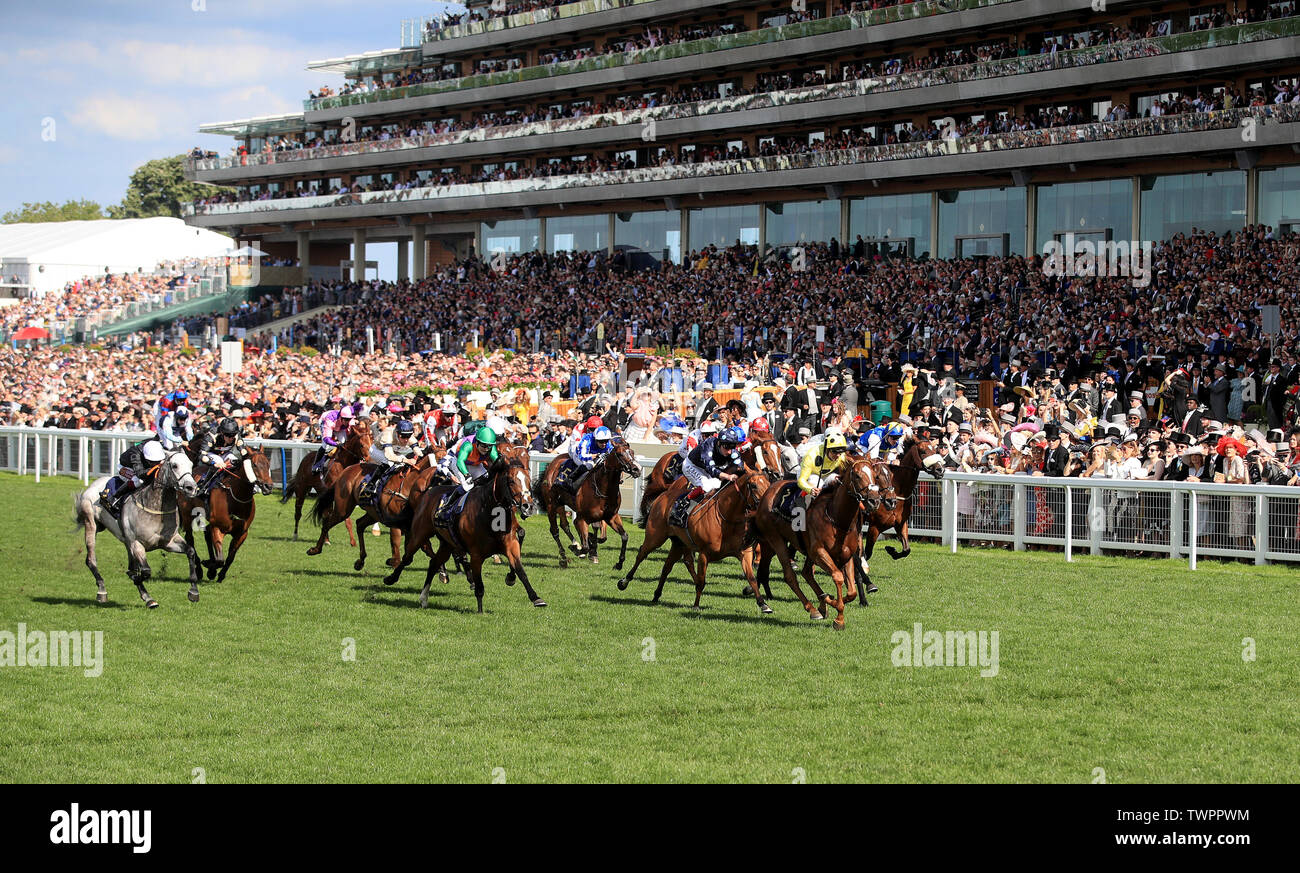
column 1131, row 665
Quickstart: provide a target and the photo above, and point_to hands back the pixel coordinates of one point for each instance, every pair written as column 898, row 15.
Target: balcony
column 1086, row 57
column 417, row 31
column 764, row 36
column 470, row 194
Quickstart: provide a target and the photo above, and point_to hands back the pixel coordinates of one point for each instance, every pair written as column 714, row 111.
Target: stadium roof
column 262, row 124
column 382, row 59
column 50, row 254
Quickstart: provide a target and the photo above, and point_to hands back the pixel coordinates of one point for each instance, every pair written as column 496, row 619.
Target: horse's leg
column 476, row 578
column 703, row 568
column 868, row 546
column 215, row 538
column 436, row 563
column 811, row 581
column 593, row 544
column 617, row 523
column 782, row 553
column 822, row 558
column 89, row 527
column 366, row 519
column 656, row 534
column 515, row 558
column 183, row 546
column 552, row 513
column 901, row 527
column 747, row 567
column 300, row 494
column 604, row 531
column 674, row 555
column 236, row 540
column 581, row 543
column 352, row 531
column 395, row 538
column 140, row 572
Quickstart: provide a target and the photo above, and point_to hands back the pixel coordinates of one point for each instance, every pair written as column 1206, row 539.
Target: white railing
column 1185, row 520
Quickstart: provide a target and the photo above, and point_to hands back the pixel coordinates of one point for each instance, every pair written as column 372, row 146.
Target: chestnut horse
column 829, row 535
column 918, row 456
column 762, row 454
column 353, row 450
column 228, row 508
column 393, row 508
column 597, row 500
column 486, row 526
column 718, row 527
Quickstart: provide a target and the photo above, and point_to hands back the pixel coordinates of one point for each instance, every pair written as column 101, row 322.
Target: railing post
column 83, row 448
column 1018, row 516
column 1096, row 518
column 37, row 440
column 22, row 452
column 948, row 520
column 1175, row 523
column 637, row 484
column 1191, row 534
column 1069, row 523
column 1261, row 529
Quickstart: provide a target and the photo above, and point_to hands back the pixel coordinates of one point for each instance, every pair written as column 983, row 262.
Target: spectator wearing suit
column 1218, row 393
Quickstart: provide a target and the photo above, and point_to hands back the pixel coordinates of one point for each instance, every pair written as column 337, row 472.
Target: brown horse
column 228, row 509
column 393, row 507
column 718, row 527
column 828, row 533
column 761, row 454
column 918, row 456
column 353, row 450
column 486, row 526
column 597, row 500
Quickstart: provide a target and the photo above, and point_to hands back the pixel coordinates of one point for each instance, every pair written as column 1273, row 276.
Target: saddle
column 786, row 500
column 323, row 461
column 680, row 512
column 374, row 483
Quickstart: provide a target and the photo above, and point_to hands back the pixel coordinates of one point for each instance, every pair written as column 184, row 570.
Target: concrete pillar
column 359, row 254
column 304, row 250
column 762, row 230
column 1031, row 220
column 934, row 224
column 613, row 226
column 844, row 224
column 542, row 244
column 1136, row 229
column 1252, row 195
column 403, row 265
column 419, row 270
column 685, row 233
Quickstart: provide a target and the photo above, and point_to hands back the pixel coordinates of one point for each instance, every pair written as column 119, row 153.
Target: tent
column 38, row 258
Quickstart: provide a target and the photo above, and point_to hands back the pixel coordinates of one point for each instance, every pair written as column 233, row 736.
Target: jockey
column 219, row 444
column 440, row 426
column 714, row 461
column 468, row 465
column 821, row 466
column 176, row 429
column 697, row 436
column 138, row 465
column 333, row 424
column 886, row 437
column 585, row 453
column 166, row 405
column 397, row 445
column 584, row 427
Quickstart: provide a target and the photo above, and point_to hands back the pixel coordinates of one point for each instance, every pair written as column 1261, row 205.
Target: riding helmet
column 405, row 428
column 228, row 427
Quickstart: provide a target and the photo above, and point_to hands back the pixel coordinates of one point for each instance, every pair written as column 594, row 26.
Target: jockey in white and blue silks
column 166, row 405
column 885, row 438
column 713, row 461
column 586, row 451
column 177, row 429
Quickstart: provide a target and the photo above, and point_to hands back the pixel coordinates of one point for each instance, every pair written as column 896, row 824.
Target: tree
column 159, row 188
column 72, row 210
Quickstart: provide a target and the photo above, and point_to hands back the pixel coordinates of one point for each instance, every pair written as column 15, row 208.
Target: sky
column 93, row 90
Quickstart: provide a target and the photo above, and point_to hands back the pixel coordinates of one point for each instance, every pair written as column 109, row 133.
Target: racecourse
column 1125, row 669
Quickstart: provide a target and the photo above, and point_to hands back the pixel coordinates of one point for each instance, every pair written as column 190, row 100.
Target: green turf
column 1133, row 666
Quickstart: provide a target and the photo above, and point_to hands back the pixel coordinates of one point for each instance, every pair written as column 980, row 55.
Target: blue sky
column 94, row 89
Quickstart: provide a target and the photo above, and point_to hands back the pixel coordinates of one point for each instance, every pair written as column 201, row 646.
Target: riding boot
column 695, row 493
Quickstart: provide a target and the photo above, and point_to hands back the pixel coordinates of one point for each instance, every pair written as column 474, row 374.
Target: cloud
column 119, row 117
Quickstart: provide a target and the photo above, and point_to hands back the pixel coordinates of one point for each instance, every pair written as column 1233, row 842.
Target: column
column 1252, row 195
column 762, row 229
column 613, row 225
column 685, row 233
column 934, row 224
column 542, row 244
column 304, row 251
column 403, row 265
column 359, row 254
column 418, row 266
column 1031, row 219
column 1136, row 230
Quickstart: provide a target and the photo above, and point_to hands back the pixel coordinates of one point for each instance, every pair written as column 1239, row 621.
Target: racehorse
column 353, row 450
column 147, row 522
column 830, row 535
column 762, row 454
column 486, row 526
column 917, row 456
column 718, row 527
column 228, row 509
column 597, row 500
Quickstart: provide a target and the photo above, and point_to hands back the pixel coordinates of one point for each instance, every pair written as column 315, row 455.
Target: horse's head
column 922, row 456
column 885, row 482
column 257, row 469
column 177, row 471
column 513, row 484
column 624, row 457
column 860, row 478
column 752, row 484
column 763, row 455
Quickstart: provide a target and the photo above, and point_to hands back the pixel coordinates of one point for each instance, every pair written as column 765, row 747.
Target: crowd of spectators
column 91, row 296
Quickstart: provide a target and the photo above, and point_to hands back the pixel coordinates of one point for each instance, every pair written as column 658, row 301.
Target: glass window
column 985, row 213
column 652, row 232
column 1209, row 201
column 891, row 217
column 577, row 233
column 1279, row 198
column 723, row 225
column 1100, row 210
column 811, row 221
column 519, row 235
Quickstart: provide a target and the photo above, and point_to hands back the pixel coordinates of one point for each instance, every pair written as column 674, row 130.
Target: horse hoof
column 765, row 609
column 389, row 580
column 595, row 560
column 314, row 550
column 510, row 580
column 816, row 616
column 622, row 584
column 193, row 596
column 358, row 564
column 102, row 597
column 424, row 602
column 871, row 589
column 837, row 625
column 390, row 563
column 151, row 603
column 444, row 577
column 539, row 602
column 564, row 565
column 863, row 602
column 747, row 592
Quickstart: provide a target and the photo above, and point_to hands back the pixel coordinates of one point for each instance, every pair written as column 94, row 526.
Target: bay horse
column 147, row 522
column 353, row 450
column 918, row 456
column 830, row 535
column 486, row 526
column 718, row 527
column 597, row 500
column 228, row 509
column 762, row 454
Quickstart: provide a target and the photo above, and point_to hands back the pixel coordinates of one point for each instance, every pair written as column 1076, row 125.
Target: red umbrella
column 31, row 333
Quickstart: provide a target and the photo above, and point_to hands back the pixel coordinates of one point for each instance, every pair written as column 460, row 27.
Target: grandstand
column 944, row 127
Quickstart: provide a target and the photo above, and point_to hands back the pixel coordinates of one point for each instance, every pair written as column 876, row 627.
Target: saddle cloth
column 786, row 500
column 674, row 468
column 681, row 510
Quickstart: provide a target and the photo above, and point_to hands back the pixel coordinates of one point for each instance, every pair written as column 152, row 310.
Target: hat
column 1136, row 395
column 1226, row 442
column 804, row 432
column 1276, row 436
column 768, row 395
column 1194, row 450
column 1007, row 418
column 904, row 419
column 707, row 386
column 1119, row 418
column 1015, row 362
column 908, row 368
column 1180, row 438
column 1052, row 431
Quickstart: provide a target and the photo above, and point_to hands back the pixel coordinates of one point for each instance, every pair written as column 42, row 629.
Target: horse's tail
column 537, row 492
column 292, row 487
column 78, row 514
column 322, row 506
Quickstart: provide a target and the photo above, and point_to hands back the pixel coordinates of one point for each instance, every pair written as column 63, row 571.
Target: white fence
column 1186, row 520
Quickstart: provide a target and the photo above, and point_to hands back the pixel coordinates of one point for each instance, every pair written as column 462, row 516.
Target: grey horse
column 148, row 522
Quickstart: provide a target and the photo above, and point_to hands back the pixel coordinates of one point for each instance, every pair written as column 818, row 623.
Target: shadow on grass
column 83, row 602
